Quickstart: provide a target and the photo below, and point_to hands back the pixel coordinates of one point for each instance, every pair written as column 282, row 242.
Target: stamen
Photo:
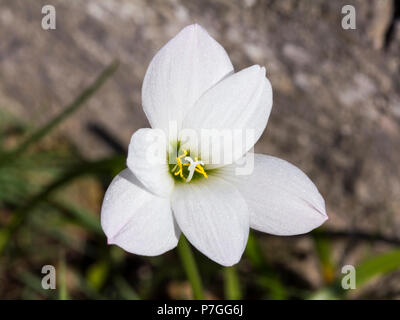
column 195, row 166
column 179, row 164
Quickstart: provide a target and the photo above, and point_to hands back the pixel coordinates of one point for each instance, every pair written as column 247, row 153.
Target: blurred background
column 67, row 112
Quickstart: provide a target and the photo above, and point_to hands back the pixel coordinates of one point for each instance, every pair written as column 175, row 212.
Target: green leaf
column 265, row 275
column 89, row 167
column 366, row 271
column 125, row 290
column 34, row 282
column 232, row 284
column 82, row 216
column 67, row 111
column 326, row 293
column 324, row 253
column 189, row 264
column 376, row 266
column 97, row 274
column 62, row 276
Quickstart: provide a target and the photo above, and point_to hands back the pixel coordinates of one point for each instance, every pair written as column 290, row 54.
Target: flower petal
column 135, row 219
column 241, row 103
column 214, row 217
column 147, row 158
column 180, row 73
column 282, row 200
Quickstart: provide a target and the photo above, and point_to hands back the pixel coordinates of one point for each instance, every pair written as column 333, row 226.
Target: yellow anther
column 201, row 170
column 183, row 155
column 179, row 164
column 189, row 163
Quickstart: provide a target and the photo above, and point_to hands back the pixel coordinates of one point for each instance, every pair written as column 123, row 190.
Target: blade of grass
column 325, row 293
column 253, row 252
column 266, row 276
column 232, row 284
column 378, row 265
column 367, row 270
column 34, row 282
column 189, row 264
column 97, row 274
column 67, row 111
column 57, row 235
column 88, row 167
column 82, row 216
column 125, row 290
column 324, row 252
column 87, row 289
column 62, row 290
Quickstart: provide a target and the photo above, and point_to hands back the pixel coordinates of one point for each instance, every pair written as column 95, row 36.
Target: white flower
column 147, row 206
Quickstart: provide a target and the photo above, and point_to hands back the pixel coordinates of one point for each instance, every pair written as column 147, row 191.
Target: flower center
column 187, row 166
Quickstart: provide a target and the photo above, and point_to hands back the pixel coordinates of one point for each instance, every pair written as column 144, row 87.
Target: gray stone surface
column 336, row 108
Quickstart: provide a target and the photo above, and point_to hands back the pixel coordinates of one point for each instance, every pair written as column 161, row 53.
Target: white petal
column 240, row 103
column 147, row 158
column 282, row 200
column 214, row 218
column 136, row 220
column 180, row 73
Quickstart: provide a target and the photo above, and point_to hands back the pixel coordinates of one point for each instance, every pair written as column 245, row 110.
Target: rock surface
column 336, row 110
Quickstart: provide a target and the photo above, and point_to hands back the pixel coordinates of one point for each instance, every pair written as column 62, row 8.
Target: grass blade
column 89, row 167
column 232, row 284
column 62, row 290
column 125, row 290
column 82, row 216
column 379, row 265
column 68, row 111
column 324, row 252
column 189, row 264
column 266, row 276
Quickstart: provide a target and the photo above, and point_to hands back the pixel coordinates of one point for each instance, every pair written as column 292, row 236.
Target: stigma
column 186, row 165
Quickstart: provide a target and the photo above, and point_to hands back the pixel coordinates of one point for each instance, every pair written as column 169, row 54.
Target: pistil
column 195, row 165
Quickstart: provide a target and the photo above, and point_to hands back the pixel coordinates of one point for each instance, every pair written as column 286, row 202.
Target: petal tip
column 195, row 27
column 229, row 261
column 321, row 221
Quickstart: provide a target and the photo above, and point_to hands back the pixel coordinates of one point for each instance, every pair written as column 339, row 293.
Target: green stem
column 232, row 284
column 62, row 290
column 189, row 264
column 265, row 274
